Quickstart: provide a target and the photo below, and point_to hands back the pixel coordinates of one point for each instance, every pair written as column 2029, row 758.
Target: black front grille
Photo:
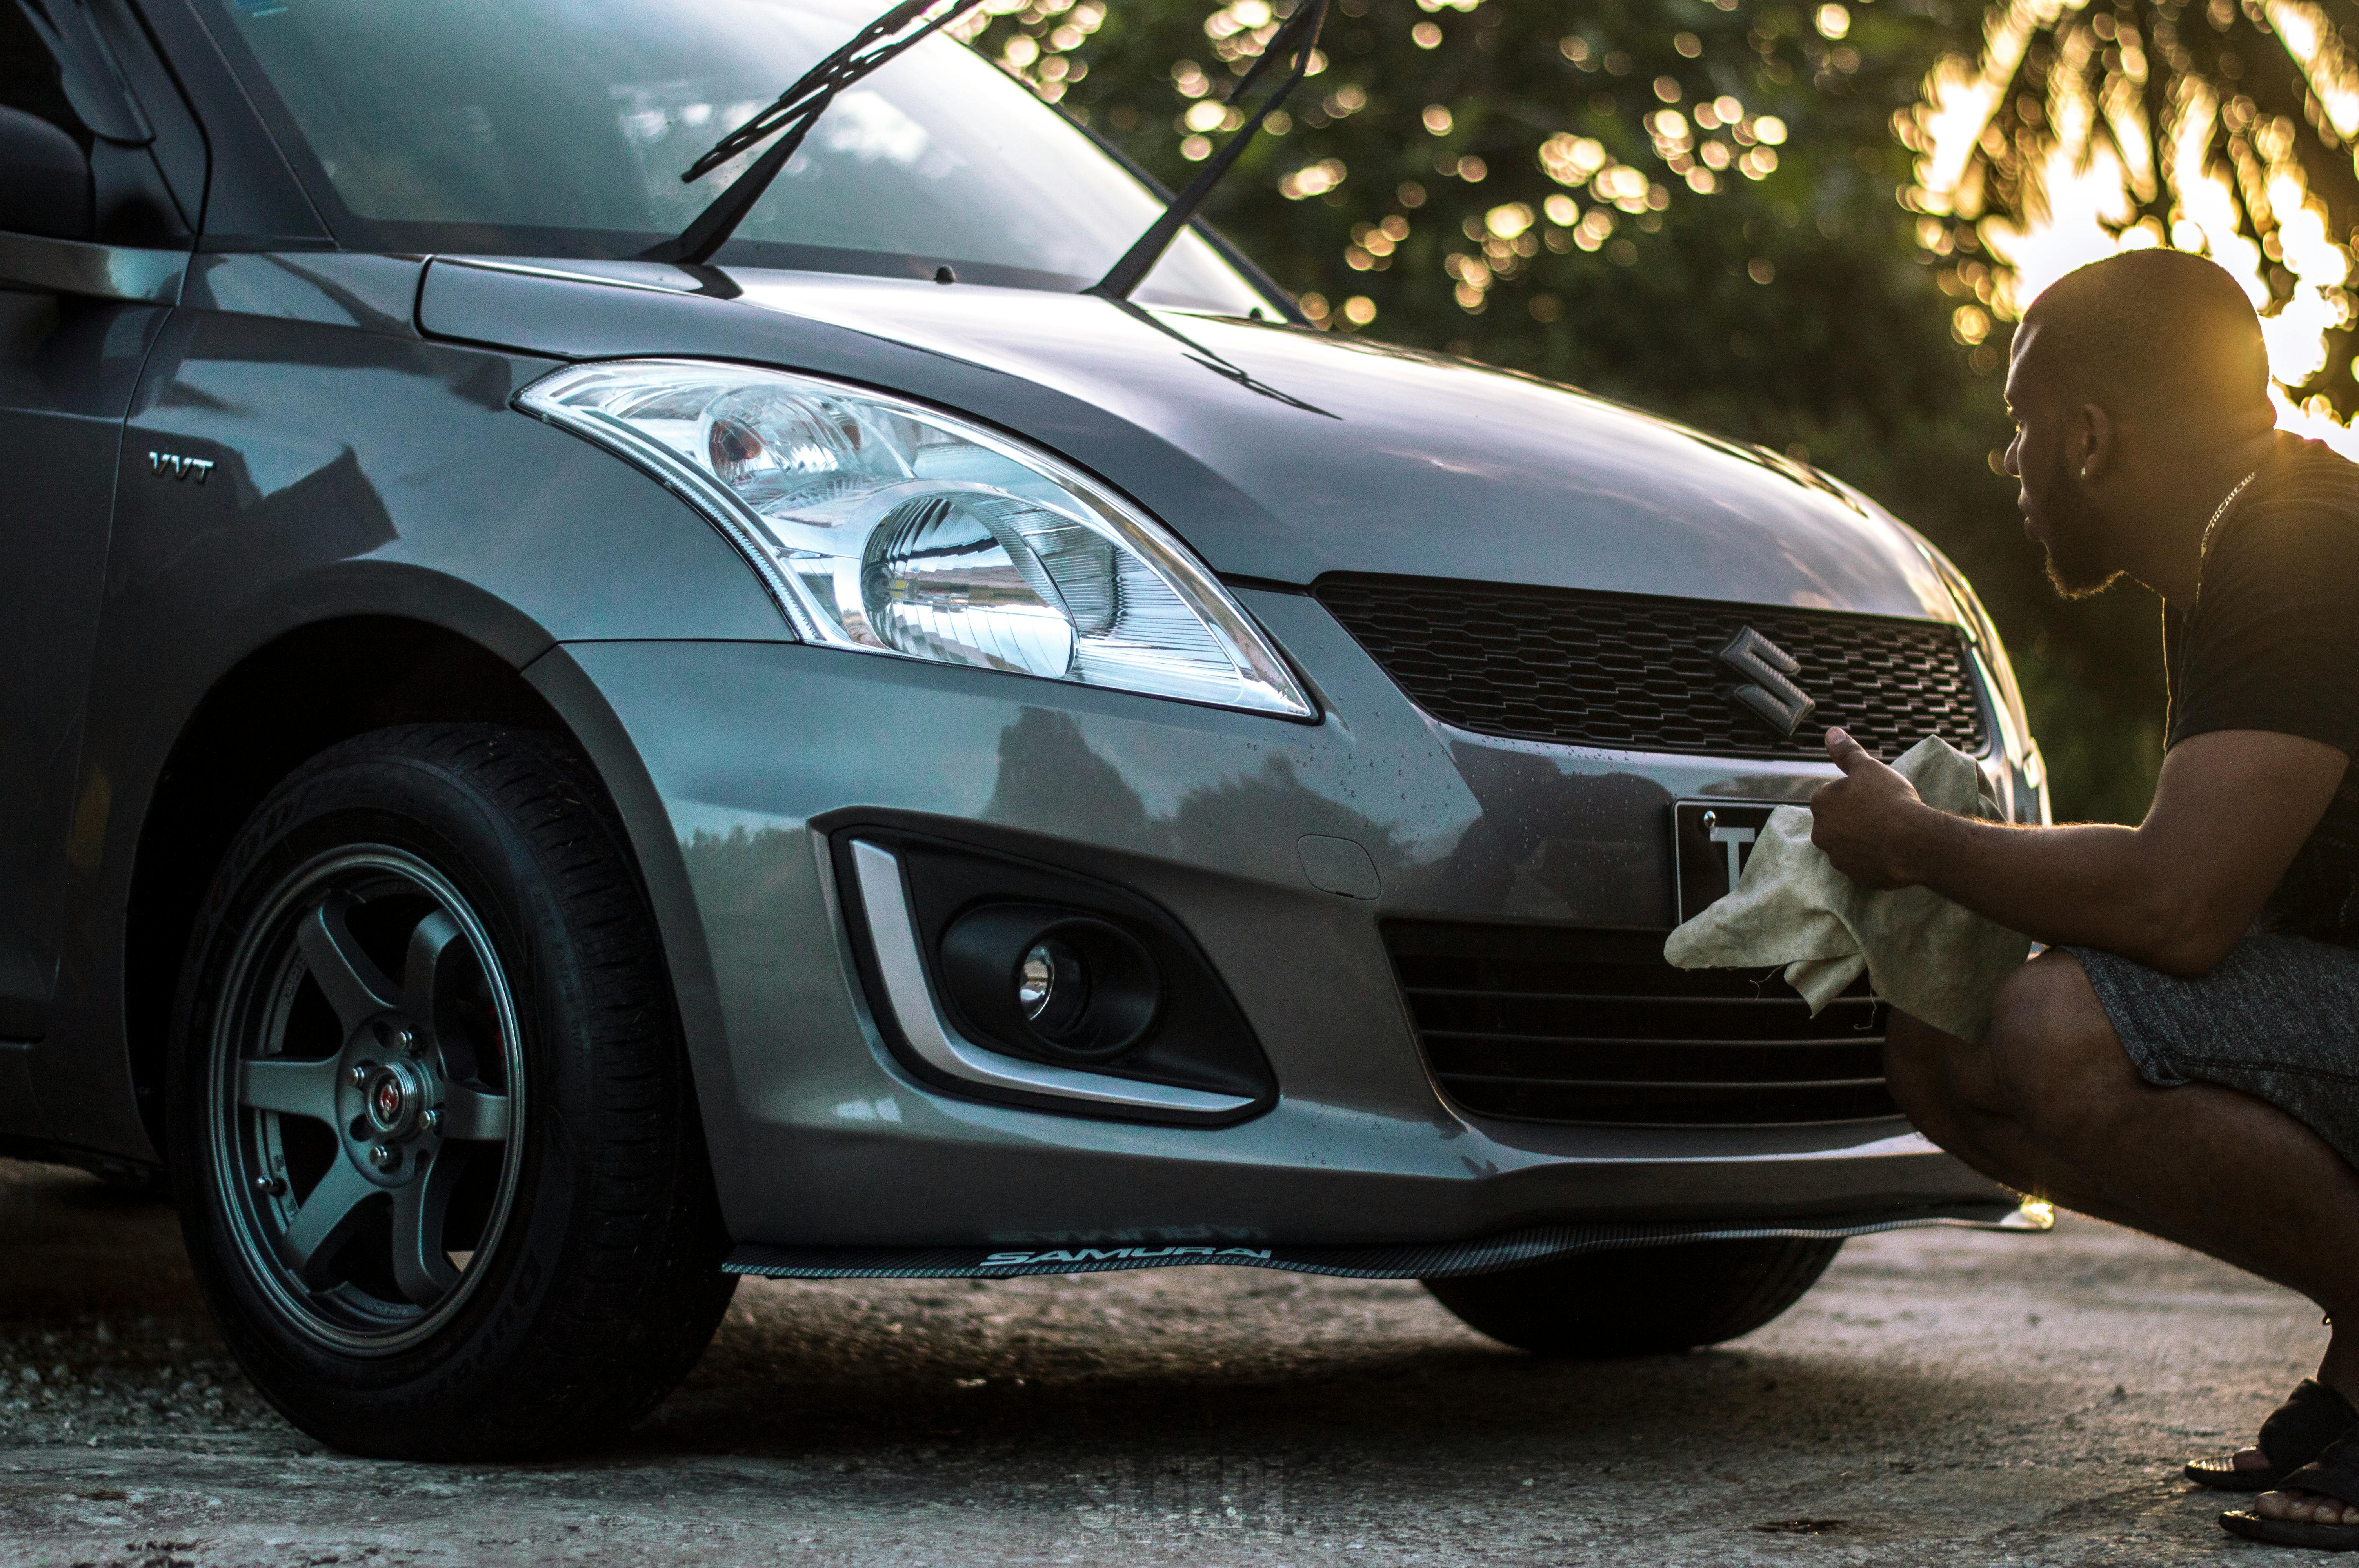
column 1606, row 669
column 1592, row 1026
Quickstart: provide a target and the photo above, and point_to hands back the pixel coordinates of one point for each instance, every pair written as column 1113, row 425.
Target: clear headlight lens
column 1998, row 673
column 889, row 527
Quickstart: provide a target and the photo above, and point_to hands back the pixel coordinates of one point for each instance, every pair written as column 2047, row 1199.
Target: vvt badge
column 1771, row 696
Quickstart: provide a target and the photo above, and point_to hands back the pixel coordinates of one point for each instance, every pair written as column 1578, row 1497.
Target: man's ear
column 2094, row 445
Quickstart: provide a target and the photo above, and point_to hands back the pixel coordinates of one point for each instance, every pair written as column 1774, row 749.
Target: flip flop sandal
column 2334, row 1473
column 2296, row 1433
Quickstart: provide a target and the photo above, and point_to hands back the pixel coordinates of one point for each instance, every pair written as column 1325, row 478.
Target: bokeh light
column 2079, row 132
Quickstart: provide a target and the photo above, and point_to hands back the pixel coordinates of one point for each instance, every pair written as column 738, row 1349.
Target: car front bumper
column 731, row 761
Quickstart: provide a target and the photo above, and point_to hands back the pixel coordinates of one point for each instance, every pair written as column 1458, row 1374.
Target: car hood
column 1278, row 452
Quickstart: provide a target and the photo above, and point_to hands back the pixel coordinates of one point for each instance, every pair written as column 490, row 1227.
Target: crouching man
column 2184, row 1058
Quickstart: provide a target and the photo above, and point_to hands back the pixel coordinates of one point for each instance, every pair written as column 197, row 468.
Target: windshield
column 560, row 127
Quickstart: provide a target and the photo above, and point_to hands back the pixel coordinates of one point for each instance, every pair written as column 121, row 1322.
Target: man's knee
column 1920, row 1066
column 1938, row 1081
column 2057, row 1069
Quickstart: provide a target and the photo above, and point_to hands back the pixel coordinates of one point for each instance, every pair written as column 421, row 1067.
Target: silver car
column 553, row 761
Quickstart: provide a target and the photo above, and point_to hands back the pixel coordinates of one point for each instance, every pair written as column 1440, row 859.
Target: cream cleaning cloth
column 1929, row 957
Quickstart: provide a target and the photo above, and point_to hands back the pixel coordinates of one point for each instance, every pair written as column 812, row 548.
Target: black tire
column 468, row 1215
column 1643, row 1301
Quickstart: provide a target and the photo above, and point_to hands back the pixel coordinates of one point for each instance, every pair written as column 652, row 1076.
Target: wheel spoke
column 419, row 1264
column 474, row 1115
column 324, row 1222
column 355, row 986
column 427, row 968
column 289, row 1088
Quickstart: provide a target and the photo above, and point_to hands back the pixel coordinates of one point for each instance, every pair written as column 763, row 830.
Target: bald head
column 2149, row 335
column 2140, row 394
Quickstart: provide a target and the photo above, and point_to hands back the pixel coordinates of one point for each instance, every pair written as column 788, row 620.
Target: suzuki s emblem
column 178, row 466
column 1770, row 697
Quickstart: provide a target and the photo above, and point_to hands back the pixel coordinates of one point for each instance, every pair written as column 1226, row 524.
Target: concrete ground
column 1942, row 1396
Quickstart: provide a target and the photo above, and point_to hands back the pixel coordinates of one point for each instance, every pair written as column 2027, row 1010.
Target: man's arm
column 2230, row 811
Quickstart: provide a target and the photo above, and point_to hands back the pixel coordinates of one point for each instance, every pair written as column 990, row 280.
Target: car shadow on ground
column 76, row 1245
column 1914, row 1408
column 1206, row 1359
column 1230, row 1360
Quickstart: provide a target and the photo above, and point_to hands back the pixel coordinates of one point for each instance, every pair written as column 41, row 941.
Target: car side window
column 45, row 173
column 29, row 77
column 78, row 150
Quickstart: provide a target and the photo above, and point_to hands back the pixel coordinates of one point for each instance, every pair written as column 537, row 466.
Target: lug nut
column 431, row 1122
column 385, row 1156
column 359, row 1074
column 406, row 1039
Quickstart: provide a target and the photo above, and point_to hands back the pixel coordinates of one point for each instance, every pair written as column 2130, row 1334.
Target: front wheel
column 1642, row 1301
column 433, row 1135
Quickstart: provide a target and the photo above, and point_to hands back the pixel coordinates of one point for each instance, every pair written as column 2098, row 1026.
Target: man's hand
column 2176, row 893
column 1864, row 820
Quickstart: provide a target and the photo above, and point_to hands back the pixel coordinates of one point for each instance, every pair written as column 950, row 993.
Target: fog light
column 1050, row 980
column 1036, row 981
column 1052, row 987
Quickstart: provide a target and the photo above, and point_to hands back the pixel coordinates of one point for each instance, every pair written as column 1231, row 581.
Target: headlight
column 888, row 527
column 1998, row 673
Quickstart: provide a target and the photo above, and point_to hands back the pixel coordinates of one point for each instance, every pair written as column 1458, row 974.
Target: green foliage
column 2217, row 127
column 1782, row 300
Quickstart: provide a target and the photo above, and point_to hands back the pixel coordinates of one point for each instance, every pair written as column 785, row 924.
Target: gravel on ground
column 1942, row 1396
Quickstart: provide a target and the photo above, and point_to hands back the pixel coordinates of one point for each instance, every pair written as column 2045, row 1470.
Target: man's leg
column 1950, row 1090
column 2048, row 1102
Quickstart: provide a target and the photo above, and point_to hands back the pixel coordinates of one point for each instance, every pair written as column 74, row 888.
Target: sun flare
column 2081, row 131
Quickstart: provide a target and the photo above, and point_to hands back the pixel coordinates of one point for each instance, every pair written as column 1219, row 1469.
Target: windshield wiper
column 1296, row 37
column 794, row 111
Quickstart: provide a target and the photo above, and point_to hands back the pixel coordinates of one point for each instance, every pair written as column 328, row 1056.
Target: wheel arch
column 295, row 695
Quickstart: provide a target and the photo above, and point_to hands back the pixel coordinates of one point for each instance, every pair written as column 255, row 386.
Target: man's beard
column 2072, row 533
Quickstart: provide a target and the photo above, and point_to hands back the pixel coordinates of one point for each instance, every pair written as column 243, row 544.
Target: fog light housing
column 1194, row 1060
column 1050, row 982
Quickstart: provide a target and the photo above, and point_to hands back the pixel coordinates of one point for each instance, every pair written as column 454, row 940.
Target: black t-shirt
column 2272, row 643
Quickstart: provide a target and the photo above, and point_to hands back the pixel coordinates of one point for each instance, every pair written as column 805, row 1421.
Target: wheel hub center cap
column 395, row 1099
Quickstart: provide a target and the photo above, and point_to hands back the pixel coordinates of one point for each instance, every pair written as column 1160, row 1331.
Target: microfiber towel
column 1933, row 959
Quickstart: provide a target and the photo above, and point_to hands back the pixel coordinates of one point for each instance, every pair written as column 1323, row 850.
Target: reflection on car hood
column 1279, row 452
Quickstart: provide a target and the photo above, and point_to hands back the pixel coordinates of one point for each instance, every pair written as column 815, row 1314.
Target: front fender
column 357, row 471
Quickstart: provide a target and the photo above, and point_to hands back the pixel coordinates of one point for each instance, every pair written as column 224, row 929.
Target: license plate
column 1711, row 842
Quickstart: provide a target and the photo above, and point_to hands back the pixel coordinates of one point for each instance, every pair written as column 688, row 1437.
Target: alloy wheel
column 366, row 1099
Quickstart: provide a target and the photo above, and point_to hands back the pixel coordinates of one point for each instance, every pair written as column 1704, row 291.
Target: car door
column 94, row 243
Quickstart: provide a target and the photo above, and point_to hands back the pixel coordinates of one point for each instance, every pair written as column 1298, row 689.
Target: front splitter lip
column 1405, row 1261
column 1746, row 1143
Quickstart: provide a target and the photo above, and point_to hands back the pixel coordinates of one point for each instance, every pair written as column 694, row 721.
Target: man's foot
column 2311, row 1507
column 2297, row 1432
column 2305, row 1508
column 2246, row 1470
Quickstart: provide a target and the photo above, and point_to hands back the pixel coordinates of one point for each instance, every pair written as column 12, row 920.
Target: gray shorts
column 2277, row 1019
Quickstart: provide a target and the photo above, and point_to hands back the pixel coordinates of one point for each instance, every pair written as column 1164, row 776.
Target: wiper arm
column 794, row 111
column 1297, row 37
column 1219, row 364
